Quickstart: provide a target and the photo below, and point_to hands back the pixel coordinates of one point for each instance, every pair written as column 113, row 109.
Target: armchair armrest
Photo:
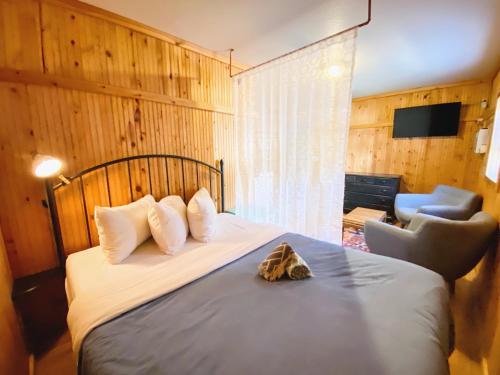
column 414, row 200
column 418, row 220
column 389, row 240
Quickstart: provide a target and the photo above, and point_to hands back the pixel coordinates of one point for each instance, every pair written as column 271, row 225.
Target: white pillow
column 178, row 204
column 121, row 229
column 201, row 213
column 168, row 227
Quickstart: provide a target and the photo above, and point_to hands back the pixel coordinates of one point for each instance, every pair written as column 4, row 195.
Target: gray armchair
column 449, row 247
column 445, row 201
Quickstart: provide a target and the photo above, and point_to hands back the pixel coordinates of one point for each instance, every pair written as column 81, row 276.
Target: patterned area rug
column 355, row 239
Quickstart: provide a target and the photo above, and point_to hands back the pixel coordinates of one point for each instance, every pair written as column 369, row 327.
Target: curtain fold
column 291, row 126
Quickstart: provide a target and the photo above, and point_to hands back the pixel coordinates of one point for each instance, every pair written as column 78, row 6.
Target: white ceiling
column 407, row 44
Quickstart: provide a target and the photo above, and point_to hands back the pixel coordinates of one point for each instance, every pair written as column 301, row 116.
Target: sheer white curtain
column 291, row 126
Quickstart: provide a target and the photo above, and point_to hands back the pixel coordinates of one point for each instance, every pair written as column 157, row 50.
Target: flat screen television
column 438, row 120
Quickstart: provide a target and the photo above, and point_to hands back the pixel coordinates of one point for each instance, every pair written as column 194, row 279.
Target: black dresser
column 371, row 190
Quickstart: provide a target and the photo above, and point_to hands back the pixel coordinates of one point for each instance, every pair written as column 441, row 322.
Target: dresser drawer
column 369, row 198
column 389, row 191
column 372, row 180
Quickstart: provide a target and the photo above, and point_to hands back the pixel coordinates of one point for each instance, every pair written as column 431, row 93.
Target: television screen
column 439, row 120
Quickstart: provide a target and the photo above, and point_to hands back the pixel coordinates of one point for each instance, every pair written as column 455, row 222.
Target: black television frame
column 431, row 130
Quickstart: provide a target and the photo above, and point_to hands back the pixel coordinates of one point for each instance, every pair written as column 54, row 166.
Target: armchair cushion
column 444, row 211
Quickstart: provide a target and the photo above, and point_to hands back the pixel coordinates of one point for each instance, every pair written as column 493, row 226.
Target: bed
column 206, row 311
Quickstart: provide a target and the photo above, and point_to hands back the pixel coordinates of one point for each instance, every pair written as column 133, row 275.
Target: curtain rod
column 301, row 48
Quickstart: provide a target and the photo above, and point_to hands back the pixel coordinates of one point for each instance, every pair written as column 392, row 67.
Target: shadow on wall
column 475, row 302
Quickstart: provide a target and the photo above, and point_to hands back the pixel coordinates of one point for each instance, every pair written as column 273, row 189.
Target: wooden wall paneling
column 151, row 143
column 21, row 192
column 194, row 69
column 175, row 181
column 210, row 79
column 20, row 35
column 95, row 194
column 184, row 77
column 169, row 86
column 100, row 50
column 105, row 88
column 177, row 71
column 188, row 149
column 95, row 42
column 191, row 73
column 13, row 353
column 86, row 129
column 208, row 133
column 72, row 218
column 174, row 70
column 140, row 178
column 423, row 162
column 90, row 10
column 17, row 76
column 190, row 182
column 159, row 178
column 48, row 116
column 144, row 48
column 68, row 42
column 204, row 178
column 118, row 178
column 52, row 58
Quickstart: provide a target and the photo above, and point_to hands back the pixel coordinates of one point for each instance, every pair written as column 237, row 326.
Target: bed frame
column 89, row 180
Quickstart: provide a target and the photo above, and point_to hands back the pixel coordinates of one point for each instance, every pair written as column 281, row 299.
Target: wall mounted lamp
column 45, row 166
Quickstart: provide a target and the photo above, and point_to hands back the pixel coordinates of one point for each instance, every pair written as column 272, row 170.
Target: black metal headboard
column 53, row 189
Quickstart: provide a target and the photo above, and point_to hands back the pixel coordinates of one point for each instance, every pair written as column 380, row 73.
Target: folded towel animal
column 283, row 259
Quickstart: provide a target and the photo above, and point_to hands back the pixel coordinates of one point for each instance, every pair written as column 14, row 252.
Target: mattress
column 88, row 270
column 360, row 314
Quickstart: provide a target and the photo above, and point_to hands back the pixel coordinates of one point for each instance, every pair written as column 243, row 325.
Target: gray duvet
column 360, row 314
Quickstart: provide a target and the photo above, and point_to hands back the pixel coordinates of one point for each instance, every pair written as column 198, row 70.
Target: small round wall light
column 46, row 166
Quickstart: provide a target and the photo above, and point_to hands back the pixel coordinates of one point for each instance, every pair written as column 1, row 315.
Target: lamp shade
column 46, row 166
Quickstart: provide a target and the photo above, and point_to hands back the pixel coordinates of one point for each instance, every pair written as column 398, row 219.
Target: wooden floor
column 58, row 360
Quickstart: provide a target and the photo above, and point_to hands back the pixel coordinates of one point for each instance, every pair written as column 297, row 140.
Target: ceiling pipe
column 301, row 48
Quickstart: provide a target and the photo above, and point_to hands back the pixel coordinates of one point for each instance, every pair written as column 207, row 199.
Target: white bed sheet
column 88, row 270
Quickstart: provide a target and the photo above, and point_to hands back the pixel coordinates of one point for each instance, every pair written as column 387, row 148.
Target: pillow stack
column 122, row 229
